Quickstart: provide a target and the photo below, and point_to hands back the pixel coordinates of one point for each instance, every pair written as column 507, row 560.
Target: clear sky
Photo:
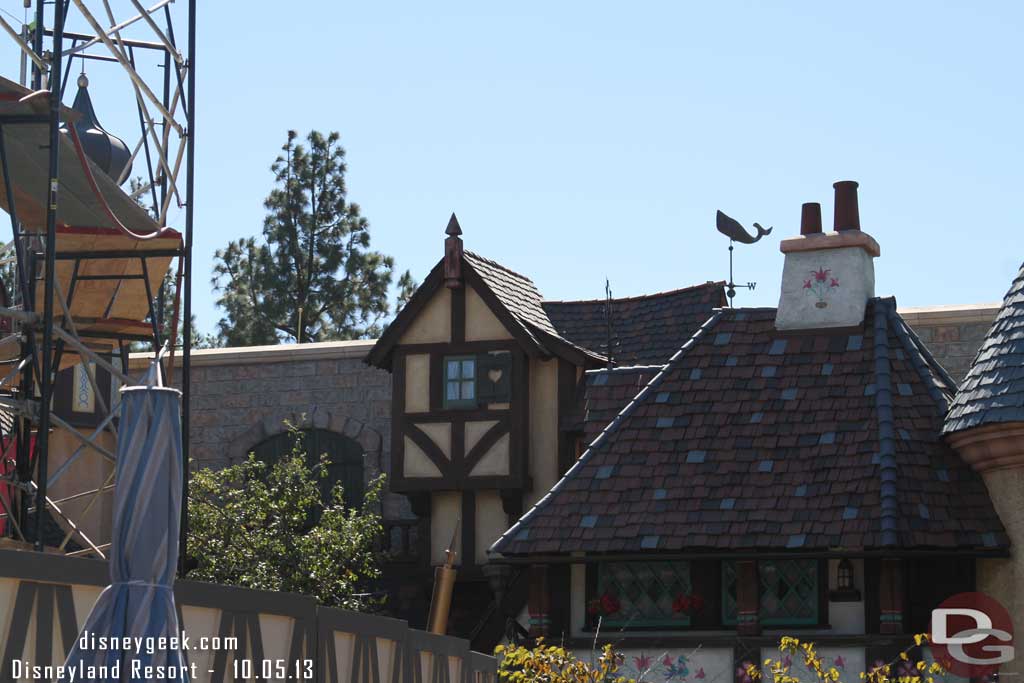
column 579, row 140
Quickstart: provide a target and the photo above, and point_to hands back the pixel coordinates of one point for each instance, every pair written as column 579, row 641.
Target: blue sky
column 581, row 140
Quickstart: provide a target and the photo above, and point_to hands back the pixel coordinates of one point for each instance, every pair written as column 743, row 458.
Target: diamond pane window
column 460, row 382
column 789, row 592
column 641, row 594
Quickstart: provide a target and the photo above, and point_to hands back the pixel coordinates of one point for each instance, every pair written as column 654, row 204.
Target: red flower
column 807, row 284
column 610, row 604
column 681, row 604
column 835, row 282
column 700, row 674
column 821, row 274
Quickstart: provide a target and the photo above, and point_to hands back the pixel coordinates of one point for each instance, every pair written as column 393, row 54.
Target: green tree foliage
column 269, row 527
column 313, row 276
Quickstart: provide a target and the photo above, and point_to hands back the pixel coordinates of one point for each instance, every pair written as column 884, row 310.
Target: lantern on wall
column 846, row 588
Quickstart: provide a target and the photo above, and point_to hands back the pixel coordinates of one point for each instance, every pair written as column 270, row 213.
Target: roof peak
column 638, row 297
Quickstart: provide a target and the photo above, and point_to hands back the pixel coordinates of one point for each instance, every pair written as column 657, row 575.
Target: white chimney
column 828, row 277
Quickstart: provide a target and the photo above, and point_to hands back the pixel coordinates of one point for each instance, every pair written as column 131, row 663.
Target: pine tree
column 313, row 276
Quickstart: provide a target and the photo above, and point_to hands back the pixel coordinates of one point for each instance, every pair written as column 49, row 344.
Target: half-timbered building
column 784, row 472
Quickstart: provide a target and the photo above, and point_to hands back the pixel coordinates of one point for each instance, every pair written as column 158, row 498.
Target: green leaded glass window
column 639, row 594
column 460, row 382
column 789, row 592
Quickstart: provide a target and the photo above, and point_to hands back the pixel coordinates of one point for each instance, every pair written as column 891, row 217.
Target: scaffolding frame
column 46, row 331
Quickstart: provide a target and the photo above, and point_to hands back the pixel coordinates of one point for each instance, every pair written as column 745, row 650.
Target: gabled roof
column 754, row 439
column 993, row 390
column 512, row 297
column 645, row 329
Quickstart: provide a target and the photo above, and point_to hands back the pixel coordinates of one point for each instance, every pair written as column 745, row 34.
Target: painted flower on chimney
column 643, row 662
column 821, row 284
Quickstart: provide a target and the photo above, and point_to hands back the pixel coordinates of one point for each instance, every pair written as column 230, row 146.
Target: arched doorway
column 345, row 459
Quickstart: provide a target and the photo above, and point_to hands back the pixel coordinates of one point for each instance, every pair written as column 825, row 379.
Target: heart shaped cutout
column 494, row 374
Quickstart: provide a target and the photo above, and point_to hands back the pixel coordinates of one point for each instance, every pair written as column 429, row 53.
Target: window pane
column 789, row 592
column 468, row 390
column 453, row 369
column 453, row 391
column 468, row 369
column 637, row 594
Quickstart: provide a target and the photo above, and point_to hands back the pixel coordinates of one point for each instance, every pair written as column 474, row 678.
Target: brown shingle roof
column 522, row 299
column 645, row 329
column 754, row 439
column 603, row 394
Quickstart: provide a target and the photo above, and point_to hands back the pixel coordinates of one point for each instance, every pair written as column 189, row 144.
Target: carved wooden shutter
column 493, row 377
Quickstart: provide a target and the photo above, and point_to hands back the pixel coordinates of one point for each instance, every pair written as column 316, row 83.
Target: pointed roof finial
column 453, row 254
column 453, row 226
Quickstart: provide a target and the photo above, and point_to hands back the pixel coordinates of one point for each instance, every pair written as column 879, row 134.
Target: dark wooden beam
column 458, row 315
column 381, row 354
column 468, row 528
column 566, row 404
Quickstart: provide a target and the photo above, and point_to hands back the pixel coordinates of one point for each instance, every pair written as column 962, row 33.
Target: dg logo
column 972, row 634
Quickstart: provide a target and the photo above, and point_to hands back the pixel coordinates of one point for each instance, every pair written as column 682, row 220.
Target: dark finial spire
column 104, row 148
column 453, row 228
column 453, row 254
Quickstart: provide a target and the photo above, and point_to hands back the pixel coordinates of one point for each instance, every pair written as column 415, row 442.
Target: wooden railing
column 44, row 601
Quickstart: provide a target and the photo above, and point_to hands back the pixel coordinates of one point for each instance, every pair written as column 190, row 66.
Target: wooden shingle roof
column 646, row 329
column 757, row 440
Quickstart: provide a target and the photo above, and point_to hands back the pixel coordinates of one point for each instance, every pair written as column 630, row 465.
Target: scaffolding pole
column 53, row 253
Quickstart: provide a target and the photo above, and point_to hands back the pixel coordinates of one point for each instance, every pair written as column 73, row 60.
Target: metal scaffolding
column 89, row 262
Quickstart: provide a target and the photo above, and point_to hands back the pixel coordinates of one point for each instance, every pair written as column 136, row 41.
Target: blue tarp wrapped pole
column 139, row 602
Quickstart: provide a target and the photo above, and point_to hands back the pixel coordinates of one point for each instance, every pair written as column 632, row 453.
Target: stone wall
column 952, row 333
column 242, row 396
